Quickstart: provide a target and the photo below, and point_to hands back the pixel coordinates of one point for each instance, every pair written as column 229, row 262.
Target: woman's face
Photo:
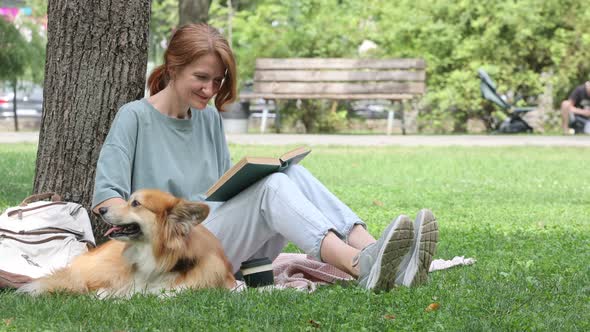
column 199, row 81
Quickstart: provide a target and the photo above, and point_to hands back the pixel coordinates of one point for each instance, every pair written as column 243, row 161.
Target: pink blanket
column 304, row 273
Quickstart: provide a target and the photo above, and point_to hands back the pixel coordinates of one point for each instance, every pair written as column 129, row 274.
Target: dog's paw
column 33, row 288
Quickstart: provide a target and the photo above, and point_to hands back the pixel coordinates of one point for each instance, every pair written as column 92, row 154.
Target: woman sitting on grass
column 174, row 141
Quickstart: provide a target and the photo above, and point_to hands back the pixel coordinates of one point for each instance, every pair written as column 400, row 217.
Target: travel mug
column 257, row 272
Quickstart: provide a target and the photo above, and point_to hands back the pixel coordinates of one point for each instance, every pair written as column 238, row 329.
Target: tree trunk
column 96, row 61
column 193, row 11
column 14, row 83
column 230, row 19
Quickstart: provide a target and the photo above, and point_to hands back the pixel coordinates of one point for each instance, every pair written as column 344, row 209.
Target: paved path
column 373, row 140
column 412, row 140
column 19, row 137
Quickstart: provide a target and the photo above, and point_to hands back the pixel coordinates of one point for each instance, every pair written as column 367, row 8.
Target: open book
column 249, row 170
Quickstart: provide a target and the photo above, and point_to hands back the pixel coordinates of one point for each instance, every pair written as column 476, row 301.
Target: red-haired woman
column 175, row 142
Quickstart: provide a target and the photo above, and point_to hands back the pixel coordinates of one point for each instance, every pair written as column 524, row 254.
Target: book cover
column 249, row 170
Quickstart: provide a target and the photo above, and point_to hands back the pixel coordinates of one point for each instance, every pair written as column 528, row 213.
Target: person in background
column 575, row 111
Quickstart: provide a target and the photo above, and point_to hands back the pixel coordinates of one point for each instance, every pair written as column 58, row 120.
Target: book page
column 294, row 156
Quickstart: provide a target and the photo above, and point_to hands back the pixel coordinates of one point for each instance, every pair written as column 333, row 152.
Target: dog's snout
column 103, row 210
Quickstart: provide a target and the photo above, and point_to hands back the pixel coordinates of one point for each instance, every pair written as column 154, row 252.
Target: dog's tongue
column 114, row 229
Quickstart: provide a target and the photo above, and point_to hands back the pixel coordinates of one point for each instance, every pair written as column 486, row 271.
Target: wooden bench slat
column 338, row 76
column 336, row 63
column 336, row 88
column 354, row 96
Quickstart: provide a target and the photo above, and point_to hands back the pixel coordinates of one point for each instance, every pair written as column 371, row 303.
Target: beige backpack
column 40, row 236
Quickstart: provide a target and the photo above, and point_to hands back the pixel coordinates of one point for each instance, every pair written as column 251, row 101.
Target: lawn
column 523, row 213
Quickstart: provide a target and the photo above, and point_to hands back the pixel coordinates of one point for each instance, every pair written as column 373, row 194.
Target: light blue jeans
column 285, row 206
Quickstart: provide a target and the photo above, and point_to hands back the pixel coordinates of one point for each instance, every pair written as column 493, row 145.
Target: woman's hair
column 188, row 43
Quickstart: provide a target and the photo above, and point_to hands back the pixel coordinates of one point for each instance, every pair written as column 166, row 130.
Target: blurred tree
column 163, row 21
column 282, row 28
column 39, row 7
column 35, row 48
column 14, row 59
column 33, row 28
column 96, row 62
column 193, row 11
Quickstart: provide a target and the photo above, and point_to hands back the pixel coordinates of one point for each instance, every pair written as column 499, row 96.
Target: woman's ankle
column 339, row 254
column 359, row 238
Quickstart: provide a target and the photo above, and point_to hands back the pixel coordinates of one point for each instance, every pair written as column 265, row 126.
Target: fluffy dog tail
column 59, row 280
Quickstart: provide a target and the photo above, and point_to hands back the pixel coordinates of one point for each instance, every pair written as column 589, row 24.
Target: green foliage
column 163, row 20
column 39, row 7
column 22, row 55
column 332, row 121
column 35, row 70
column 515, row 41
column 317, row 116
column 13, row 54
column 282, row 28
column 528, row 230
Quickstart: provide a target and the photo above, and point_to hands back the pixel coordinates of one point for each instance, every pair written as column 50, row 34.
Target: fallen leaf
column 7, row 321
column 314, row 323
column 378, row 202
column 432, row 307
column 389, row 316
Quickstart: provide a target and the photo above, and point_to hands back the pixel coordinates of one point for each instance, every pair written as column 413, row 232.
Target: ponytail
column 158, row 80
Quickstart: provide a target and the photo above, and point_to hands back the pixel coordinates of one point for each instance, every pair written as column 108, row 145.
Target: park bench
column 396, row 80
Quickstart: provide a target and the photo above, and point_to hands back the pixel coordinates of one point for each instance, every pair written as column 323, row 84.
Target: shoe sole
column 398, row 244
column 417, row 267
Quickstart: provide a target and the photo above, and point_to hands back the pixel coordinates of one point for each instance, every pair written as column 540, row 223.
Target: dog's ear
column 187, row 214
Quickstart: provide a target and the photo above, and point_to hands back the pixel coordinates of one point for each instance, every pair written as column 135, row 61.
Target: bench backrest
column 336, row 78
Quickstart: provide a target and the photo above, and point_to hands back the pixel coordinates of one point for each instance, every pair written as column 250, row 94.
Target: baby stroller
column 514, row 123
column 579, row 123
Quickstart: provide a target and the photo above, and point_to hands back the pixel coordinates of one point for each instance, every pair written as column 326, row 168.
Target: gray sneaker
column 379, row 262
column 414, row 268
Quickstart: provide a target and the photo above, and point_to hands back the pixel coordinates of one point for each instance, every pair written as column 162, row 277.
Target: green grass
column 523, row 213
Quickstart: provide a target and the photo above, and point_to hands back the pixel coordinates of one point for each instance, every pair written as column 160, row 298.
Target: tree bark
column 193, row 11
column 96, row 61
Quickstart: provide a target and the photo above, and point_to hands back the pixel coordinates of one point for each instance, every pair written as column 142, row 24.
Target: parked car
column 369, row 109
column 29, row 101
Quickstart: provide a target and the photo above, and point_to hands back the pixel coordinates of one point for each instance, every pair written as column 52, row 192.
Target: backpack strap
column 39, row 197
column 13, row 280
column 20, row 211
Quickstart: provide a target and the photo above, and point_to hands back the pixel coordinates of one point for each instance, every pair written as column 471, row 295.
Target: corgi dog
column 157, row 246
